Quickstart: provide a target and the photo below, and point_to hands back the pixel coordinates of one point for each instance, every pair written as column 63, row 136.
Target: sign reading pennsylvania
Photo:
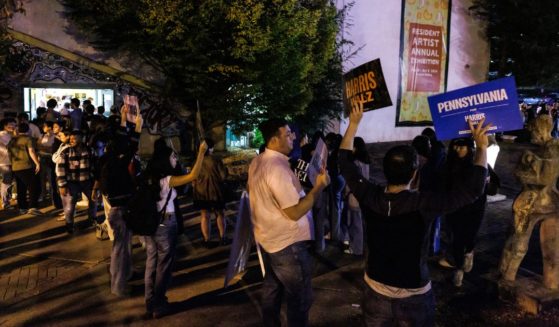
column 496, row 101
column 366, row 84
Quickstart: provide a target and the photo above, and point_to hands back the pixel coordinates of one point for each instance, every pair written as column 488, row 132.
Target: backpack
column 141, row 214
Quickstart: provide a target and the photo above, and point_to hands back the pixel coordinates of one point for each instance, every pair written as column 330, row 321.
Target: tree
column 242, row 59
column 524, row 39
column 7, row 9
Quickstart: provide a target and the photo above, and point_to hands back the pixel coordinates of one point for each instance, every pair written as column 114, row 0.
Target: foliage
column 524, row 39
column 243, row 59
column 258, row 139
column 7, row 9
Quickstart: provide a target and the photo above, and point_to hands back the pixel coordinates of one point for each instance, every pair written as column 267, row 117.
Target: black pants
column 465, row 224
column 27, row 180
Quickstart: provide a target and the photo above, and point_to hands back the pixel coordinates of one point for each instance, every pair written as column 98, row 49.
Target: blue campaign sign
column 496, row 101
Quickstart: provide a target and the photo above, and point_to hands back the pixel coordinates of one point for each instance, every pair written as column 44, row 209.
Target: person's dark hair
column 52, row 103
column 49, row 124
column 421, row 144
column 210, row 144
column 430, row 133
column 315, row 137
column 60, row 123
column 452, row 158
column 76, row 132
column 76, row 102
column 159, row 146
column 89, row 108
column 100, row 110
column 23, row 115
column 361, row 152
column 23, row 128
column 399, row 164
column 333, row 141
column 41, row 111
column 86, row 103
column 67, row 105
column 66, row 131
column 270, row 128
column 6, row 121
column 159, row 167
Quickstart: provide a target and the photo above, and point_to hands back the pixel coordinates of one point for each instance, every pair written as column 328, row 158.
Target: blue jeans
column 6, row 185
column 336, row 206
column 288, row 271
column 48, row 175
column 121, row 254
column 160, row 249
column 355, row 230
column 75, row 190
column 319, row 218
column 382, row 311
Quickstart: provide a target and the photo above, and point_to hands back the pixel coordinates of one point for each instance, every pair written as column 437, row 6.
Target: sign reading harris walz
column 366, row 84
column 496, row 101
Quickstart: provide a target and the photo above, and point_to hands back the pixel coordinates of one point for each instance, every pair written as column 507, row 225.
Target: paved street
column 48, row 278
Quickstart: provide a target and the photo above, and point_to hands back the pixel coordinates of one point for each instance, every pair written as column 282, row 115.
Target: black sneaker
column 224, row 241
column 70, row 229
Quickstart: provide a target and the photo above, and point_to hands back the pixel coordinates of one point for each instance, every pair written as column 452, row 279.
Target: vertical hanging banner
column 423, row 58
column 366, row 84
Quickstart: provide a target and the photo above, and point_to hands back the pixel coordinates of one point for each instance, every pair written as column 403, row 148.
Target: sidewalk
column 48, row 278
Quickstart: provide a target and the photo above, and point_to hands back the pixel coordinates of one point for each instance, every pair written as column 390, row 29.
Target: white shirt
column 34, row 131
column 272, row 187
column 5, row 138
column 164, row 183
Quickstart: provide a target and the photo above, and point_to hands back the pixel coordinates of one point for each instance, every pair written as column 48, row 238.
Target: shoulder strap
column 164, row 209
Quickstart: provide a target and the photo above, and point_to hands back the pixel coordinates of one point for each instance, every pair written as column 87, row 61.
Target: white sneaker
column 458, row 277
column 444, row 263
column 35, row 212
column 468, row 261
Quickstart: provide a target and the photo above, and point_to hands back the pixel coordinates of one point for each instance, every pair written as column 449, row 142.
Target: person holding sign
column 282, row 220
column 398, row 223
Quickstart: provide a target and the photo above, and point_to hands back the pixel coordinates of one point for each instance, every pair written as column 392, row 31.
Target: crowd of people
column 79, row 152
column 392, row 226
column 64, row 156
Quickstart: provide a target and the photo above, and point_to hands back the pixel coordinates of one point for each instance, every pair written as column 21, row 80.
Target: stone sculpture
column 538, row 172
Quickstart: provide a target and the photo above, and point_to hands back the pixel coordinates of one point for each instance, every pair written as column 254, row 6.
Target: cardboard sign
column 133, row 107
column 366, row 83
column 242, row 241
column 496, row 101
column 318, row 161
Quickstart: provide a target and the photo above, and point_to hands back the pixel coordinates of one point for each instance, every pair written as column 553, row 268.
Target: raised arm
column 479, row 133
column 188, row 178
column 472, row 186
column 354, row 119
column 358, row 184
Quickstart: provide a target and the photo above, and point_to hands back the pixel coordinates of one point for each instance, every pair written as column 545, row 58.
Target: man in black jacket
column 398, row 288
column 116, row 182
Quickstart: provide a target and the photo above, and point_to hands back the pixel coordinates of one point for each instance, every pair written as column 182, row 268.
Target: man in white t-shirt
column 282, row 220
column 34, row 130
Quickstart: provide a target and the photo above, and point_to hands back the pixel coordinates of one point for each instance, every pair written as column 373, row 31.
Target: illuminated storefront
column 37, row 96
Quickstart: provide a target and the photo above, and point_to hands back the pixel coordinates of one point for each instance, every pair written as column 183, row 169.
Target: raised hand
column 479, row 133
column 322, row 179
column 356, row 112
column 203, row 148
